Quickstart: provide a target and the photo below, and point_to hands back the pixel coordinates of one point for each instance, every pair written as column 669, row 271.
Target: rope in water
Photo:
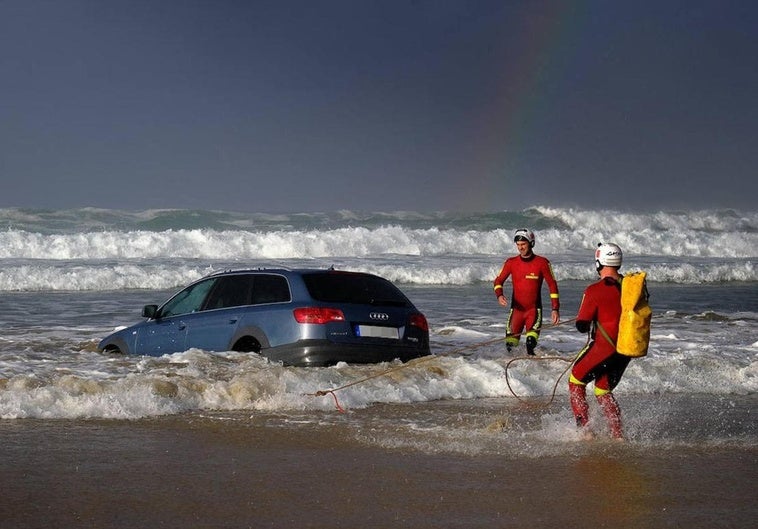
column 555, row 386
column 557, row 381
column 470, row 347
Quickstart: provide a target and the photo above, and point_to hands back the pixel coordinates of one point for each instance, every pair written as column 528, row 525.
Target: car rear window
column 341, row 287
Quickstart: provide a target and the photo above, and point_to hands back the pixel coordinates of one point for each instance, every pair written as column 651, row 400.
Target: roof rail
column 257, row 268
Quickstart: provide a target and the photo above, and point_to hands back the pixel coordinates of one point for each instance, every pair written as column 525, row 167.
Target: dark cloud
column 313, row 106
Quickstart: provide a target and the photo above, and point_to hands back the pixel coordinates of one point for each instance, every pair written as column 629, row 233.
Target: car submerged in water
column 303, row 317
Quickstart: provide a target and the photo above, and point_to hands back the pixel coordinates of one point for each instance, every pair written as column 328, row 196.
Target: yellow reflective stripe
column 553, row 296
column 535, row 334
column 576, row 381
column 500, row 287
column 599, row 392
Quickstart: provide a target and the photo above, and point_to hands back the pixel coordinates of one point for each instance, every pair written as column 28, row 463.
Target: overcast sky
column 429, row 105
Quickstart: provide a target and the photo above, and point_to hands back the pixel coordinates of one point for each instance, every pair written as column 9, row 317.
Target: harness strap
column 605, row 334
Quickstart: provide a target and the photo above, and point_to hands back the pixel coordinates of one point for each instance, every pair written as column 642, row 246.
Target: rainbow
column 533, row 60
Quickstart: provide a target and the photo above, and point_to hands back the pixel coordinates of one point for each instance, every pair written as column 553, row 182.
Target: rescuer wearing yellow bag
column 609, row 317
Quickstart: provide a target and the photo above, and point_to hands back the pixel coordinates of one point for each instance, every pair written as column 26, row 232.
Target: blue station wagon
column 304, row 317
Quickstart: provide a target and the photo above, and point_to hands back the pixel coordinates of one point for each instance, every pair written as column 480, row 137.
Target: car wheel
column 247, row 344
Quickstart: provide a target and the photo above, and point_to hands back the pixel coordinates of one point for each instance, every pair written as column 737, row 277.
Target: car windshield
column 188, row 300
column 342, row 287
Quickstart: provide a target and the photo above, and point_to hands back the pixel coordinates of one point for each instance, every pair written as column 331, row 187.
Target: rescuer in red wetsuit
column 599, row 314
column 527, row 271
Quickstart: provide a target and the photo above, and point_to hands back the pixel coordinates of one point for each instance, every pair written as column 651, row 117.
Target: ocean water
column 68, row 278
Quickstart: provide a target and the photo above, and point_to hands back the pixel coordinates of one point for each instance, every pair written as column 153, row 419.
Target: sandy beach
column 235, row 471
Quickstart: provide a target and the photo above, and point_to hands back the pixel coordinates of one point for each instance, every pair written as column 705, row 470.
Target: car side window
column 188, row 300
column 270, row 289
column 231, row 291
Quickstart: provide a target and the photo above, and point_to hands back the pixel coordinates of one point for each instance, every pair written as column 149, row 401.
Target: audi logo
column 379, row 316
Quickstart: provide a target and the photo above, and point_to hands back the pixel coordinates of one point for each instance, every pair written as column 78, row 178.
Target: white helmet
column 608, row 254
column 523, row 234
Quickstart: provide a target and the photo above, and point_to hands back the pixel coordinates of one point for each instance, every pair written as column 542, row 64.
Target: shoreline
column 236, row 470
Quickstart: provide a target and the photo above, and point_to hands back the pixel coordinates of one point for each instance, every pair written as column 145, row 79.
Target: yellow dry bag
column 634, row 325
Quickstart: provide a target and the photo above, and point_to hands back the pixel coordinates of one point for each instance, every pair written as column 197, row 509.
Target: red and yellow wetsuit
column 599, row 361
column 527, row 275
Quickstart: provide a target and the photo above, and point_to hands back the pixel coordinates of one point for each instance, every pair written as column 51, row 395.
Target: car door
column 213, row 328
column 167, row 332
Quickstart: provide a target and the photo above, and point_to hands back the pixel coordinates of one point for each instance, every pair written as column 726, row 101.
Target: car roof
column 283, row 271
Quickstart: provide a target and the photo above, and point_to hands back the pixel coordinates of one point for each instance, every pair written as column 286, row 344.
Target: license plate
column 373, row 331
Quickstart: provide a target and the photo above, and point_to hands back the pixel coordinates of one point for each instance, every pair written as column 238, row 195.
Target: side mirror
column 149, row 311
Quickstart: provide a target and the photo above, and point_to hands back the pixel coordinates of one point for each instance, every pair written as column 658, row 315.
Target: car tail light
column 318, row 315
column 419, row 320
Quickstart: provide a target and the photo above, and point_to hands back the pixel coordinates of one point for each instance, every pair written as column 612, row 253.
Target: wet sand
column 235, row 471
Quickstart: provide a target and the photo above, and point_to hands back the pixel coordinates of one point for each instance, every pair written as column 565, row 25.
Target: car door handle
column 232, row 321
column 182, row 326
